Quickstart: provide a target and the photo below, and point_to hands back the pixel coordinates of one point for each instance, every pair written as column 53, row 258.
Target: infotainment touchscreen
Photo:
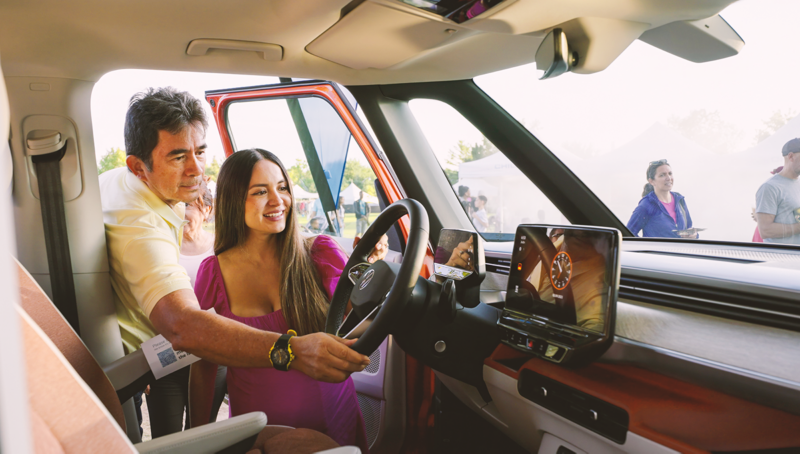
column 562, row 286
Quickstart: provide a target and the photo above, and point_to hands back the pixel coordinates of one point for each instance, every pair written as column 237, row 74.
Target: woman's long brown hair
column 303, row 300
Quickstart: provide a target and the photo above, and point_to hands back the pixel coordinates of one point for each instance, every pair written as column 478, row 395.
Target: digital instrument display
column 455, row 254
column 562, row 291
column 456, row 10
column 563, row 275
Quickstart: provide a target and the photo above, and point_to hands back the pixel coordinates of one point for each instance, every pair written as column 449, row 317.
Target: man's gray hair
column 158, row 109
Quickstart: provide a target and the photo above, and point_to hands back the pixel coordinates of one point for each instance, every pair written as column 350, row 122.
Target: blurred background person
column 197, row 244
column 479, row 218
column 661, row 213
column 361, row 207
column 778, row 199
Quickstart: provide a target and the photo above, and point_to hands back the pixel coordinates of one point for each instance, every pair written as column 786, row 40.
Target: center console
column 562, row 292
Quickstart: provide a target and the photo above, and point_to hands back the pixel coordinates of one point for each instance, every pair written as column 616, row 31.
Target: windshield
column 706, row 137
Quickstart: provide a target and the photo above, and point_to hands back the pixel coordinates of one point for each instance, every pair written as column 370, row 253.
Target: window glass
column 719, row 127
column 494, row 193
column 315, row 131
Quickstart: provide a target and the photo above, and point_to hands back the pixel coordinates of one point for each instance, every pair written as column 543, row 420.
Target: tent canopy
column 300, row 193
column 351, row 194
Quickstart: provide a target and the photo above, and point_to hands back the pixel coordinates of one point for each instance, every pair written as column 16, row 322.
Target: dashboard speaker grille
column 371, row 411
column 374, row 362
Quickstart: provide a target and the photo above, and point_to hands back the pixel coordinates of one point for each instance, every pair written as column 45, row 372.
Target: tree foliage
column 466, row 152
column 778, row 119
column 709, row 130
column 354, row 172
column 212, row 170
column 112, row 159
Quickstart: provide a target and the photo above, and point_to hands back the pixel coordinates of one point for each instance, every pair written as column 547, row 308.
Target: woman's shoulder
column 324, row 243
column 207, row 275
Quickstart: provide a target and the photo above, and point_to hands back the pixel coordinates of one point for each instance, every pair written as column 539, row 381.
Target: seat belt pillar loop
column 54, row 220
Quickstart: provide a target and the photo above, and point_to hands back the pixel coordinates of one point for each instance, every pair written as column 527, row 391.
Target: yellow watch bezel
column 292, row 333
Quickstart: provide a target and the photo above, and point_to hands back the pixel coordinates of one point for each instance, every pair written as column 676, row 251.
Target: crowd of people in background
column 663, row 213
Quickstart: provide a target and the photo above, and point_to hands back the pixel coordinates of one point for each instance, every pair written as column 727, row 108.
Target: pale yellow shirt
column 143, row 235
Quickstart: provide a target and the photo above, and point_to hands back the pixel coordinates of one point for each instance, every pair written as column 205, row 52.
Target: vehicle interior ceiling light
column 553, row 55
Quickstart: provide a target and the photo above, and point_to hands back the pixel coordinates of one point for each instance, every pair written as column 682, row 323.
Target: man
column 479, row 218
column 362, row 214
column 143, row 209
column 778, row 199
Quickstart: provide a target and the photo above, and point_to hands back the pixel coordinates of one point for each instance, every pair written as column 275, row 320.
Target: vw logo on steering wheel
column 367, row 279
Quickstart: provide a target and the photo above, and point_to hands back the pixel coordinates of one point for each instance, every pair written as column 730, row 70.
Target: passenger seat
column 74, row 408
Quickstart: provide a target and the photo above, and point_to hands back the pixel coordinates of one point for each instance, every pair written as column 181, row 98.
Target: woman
column 661, row 213
column 267, row 275
column 197, row 243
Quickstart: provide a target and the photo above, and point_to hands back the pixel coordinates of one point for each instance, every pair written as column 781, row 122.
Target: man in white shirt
column 479, row 217
column 143, row 210
column 778, row 200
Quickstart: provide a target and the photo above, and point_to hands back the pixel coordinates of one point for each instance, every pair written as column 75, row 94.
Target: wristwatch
column 281, row 352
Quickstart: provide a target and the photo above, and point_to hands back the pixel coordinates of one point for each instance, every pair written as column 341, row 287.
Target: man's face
column 179, row 161
column 793, row 162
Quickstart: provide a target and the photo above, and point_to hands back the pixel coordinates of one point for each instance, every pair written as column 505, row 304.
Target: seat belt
column 56, row 240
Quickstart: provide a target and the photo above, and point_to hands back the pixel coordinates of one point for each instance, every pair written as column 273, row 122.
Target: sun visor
column 697, row 41
column 380, row 36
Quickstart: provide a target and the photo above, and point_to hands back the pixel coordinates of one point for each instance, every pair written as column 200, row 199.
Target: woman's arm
column 638, row 219
column 201, row 392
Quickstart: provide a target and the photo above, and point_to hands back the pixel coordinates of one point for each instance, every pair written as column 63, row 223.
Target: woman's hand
column 460, row 258
column 379, row 251
column 325, row 357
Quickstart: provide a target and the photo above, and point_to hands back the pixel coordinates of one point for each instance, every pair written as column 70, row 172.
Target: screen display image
column 455, row 254
column 562, row 274
column 456, row 10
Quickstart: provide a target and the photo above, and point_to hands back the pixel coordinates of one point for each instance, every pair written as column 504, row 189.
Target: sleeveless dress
column 288, row 398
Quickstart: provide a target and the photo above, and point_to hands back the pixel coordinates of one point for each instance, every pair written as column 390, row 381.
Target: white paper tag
column 163, row 359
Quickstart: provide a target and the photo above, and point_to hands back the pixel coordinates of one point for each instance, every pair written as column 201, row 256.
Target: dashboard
column 704, row 358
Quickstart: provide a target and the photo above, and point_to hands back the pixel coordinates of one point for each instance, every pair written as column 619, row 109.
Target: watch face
column 279, row 357
column 561, row 271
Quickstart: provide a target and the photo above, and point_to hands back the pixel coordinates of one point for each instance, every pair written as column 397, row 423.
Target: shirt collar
column 175, row 217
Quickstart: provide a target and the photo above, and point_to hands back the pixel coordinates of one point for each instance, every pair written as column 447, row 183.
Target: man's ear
column 136, row 166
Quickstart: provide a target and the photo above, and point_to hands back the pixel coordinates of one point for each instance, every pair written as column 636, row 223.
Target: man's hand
column 461, row 255
column 379, row 251
column 325, row 357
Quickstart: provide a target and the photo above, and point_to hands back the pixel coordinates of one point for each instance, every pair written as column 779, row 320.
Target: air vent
column 772, row 311
column 499, row 265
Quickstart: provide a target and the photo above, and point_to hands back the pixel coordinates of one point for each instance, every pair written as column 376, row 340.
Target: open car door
column 337, row 173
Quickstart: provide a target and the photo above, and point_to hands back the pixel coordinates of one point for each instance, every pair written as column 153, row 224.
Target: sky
column 586, row 115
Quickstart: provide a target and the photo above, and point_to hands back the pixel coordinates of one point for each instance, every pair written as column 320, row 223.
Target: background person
column 198, row 243
column 267, row 275
column 143, row 211
column 466, row 199
column 479, row 217
column 779, row 197
column 361, row 208
column 660, row 211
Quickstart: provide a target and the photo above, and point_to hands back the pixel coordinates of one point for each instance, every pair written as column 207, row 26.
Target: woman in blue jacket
column 660, row 212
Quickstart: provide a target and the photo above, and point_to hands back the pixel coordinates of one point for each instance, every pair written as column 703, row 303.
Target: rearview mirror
column 553, row 56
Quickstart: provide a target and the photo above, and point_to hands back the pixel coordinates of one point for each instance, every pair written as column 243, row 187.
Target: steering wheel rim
column 404, row 283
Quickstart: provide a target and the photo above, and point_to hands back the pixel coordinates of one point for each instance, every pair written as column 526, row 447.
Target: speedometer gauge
column 561, row 271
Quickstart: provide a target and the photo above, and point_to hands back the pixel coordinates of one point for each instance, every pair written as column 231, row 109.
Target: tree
column 212, row 170
column 709, row 130
column 465, row 152
column 778, row 119
column 359, row 174
column 112, row 159
column 301, row 175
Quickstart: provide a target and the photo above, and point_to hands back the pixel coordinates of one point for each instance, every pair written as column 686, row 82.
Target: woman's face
column 196, row 215
column 663, row 179
column 268, row 201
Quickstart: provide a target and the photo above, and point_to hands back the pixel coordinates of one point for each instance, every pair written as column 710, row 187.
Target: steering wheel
column 379, row 291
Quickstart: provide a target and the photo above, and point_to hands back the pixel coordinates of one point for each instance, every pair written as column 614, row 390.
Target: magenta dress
column 288, row 398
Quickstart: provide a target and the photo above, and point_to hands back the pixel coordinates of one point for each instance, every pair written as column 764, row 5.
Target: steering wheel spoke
column 357, row 271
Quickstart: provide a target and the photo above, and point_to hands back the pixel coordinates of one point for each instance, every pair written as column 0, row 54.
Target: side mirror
column 553, row 55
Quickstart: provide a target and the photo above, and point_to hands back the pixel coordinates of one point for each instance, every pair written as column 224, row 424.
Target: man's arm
column 768, row 228
column 220, row 340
